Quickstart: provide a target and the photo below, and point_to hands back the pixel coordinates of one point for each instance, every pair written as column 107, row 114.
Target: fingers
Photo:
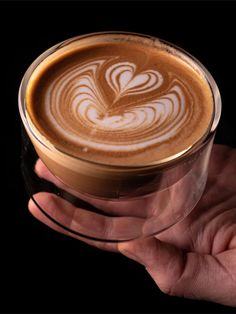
column 222, row 162
column 33, row 208
column 134, row 208
column 83, row 221
column 182, row 274
column 43, row 172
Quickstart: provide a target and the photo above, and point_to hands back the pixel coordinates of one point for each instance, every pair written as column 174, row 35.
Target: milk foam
column 119, row 102
column 149, row 122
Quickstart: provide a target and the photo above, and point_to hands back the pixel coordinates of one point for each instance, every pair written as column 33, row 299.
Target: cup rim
column 167, row 162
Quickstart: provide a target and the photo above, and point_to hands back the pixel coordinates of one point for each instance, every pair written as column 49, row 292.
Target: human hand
column 195, row 258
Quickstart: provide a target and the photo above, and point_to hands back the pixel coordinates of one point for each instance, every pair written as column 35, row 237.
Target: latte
column 119, row 115
column 119, row 99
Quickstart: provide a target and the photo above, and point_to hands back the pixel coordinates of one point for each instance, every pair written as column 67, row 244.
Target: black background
column 41, row 270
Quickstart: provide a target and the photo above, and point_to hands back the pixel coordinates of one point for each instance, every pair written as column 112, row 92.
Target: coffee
column 110, row 113
column 120, row 100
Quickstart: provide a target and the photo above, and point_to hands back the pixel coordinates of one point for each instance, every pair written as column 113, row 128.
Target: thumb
column 164, row 262
column 189, row 275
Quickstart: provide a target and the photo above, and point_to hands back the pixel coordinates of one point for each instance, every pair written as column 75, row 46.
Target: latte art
column 137, row 125
column 119, row 103
column 122, row 79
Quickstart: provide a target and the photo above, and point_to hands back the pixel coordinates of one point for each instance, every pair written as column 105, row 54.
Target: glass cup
column 113, row 203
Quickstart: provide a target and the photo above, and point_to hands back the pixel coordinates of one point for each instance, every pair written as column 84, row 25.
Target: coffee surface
column 119, row 101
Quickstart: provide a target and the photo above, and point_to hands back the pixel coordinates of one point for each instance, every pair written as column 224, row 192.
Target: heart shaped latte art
column 122, row 79
column 76, row 106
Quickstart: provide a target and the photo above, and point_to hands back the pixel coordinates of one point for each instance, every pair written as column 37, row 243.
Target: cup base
column 106, row 220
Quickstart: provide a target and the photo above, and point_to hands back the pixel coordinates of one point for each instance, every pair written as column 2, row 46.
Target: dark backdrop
column 41, row 270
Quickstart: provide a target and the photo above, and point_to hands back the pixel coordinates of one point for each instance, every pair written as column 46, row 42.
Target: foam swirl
column 92, row 122
column 122, row 79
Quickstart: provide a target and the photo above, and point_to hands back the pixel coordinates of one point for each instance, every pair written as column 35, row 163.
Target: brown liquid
column 119, row 100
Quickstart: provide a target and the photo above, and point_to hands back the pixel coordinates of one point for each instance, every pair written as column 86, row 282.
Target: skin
column 195, row 258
